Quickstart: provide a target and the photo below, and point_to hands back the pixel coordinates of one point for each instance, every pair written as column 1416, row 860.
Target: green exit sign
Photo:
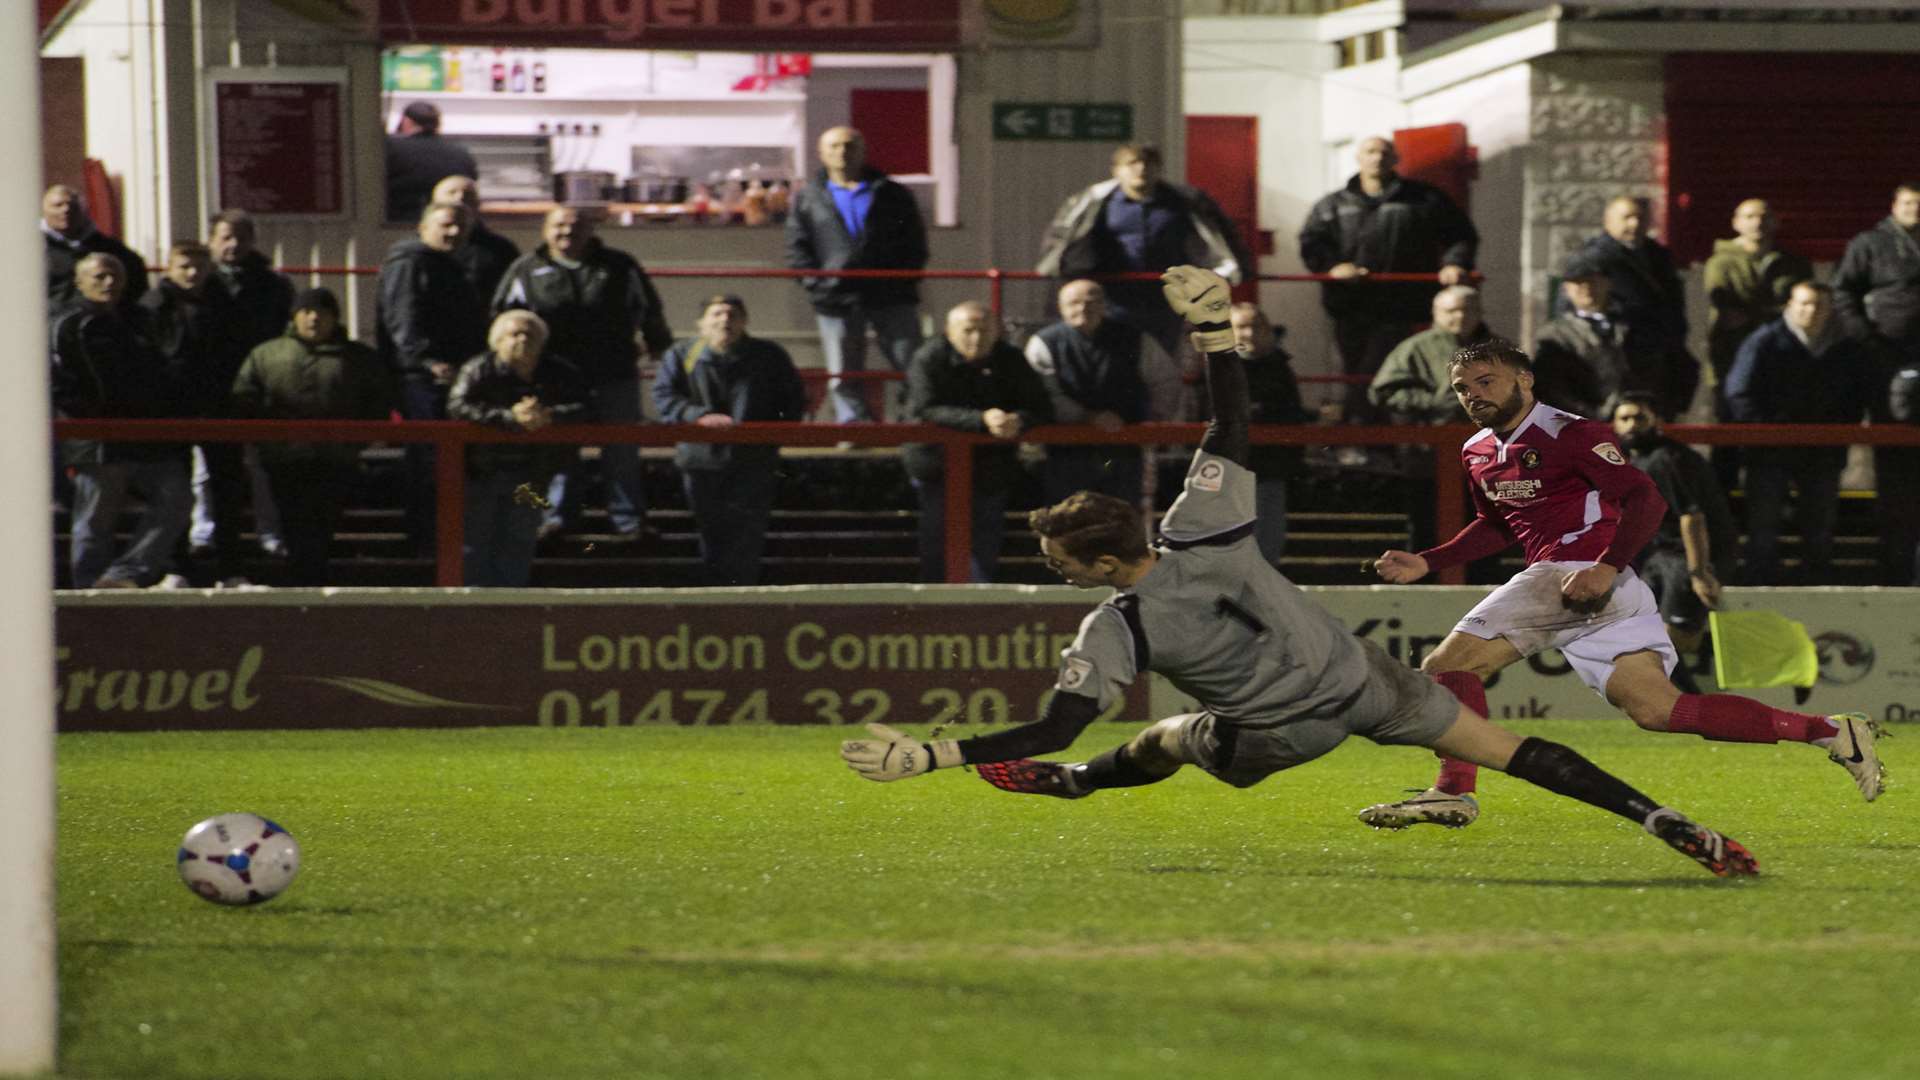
column 1036, row 120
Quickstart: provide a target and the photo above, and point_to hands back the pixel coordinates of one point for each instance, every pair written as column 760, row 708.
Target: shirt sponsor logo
column 1075, row 672
column 1211, row 475
column 1610, row 454
column 1514, row 490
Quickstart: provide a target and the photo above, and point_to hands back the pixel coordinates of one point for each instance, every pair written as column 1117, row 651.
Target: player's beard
column 1503, row 413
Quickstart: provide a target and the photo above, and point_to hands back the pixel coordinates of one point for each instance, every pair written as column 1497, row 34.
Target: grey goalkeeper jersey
column 1219, row 622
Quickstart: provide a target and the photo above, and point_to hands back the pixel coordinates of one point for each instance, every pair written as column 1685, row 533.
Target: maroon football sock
column 1731, row 718
column 1459, row 777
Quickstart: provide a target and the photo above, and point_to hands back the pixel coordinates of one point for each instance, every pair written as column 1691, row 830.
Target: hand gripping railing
column 451, row 439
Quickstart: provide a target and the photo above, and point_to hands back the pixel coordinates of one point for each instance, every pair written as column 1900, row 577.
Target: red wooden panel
column 896, row 128
column 1223, row 159
column 49, row 11
column 1437, row 155
column 1822, row 137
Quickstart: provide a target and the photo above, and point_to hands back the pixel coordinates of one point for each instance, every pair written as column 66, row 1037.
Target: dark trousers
column 731, row 507
column 420, row 399
column 310, row 494
column 501, row 530
column 1896, row 472
column 1364, row 341
column 988, row 530
column 226, row 496
column 1109, row 470
column 1816, row 479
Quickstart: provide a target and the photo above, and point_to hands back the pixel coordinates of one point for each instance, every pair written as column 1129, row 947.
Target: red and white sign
column 734, row 25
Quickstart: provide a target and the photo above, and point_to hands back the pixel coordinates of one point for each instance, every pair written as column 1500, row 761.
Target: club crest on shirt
column 1610, row 454
column 1074, row 672
column 1529, row 458
column 1210, row 476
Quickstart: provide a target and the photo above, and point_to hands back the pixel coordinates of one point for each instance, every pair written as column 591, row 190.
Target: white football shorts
column 1527, row 611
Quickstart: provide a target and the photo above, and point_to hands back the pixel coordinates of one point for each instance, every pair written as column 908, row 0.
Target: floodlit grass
column 536, row 904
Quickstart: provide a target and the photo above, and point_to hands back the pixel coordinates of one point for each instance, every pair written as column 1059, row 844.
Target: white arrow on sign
column 1019, row 121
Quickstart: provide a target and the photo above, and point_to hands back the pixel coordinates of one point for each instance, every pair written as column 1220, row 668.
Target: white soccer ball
column 238, row 859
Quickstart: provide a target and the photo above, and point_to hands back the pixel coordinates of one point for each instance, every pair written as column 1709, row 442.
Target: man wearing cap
column 418, row 158
column 1594, row 349
column 312, row 372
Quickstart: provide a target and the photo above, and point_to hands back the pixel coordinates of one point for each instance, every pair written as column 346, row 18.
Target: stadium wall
column 795, row 655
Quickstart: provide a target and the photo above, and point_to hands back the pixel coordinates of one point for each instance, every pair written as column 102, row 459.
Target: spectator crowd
column 470, row 328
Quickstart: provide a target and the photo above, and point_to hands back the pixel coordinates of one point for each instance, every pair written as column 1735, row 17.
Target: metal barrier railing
column 451, row 438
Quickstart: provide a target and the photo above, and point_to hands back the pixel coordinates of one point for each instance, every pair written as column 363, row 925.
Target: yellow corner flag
column 1761, row 648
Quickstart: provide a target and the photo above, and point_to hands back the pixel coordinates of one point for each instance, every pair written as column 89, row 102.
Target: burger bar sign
column 791, row 25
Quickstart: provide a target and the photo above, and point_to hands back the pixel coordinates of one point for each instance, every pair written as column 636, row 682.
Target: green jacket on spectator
column 1413, row 384
column 1746, row 291
column 290, row 379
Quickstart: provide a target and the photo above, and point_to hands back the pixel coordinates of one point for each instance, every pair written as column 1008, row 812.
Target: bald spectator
column 1748, row 280
column 1273, row 395
column 430, row 322
column 260, row 302
column 418, row 158
column 970, row 380
column 595, row 300
column 1413, row 385
column 1090, row 365
column 486, row 254
column 70, row 236
column 854, row 217
column 1382, row 222
column 105, row 366
column 1138, row 221
column 1876, row 292
column 1646, row 290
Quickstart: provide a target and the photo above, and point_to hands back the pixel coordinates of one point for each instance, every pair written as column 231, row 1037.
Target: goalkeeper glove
column 894, row 755
column 1201, row 297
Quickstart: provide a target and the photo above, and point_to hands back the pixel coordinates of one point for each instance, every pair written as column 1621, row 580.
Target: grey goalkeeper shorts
column 1397, row 706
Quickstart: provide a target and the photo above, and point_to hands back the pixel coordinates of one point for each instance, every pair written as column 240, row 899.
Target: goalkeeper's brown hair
column 1088, row 525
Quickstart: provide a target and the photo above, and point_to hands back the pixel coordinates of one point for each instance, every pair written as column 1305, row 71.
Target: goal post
column 28, row 997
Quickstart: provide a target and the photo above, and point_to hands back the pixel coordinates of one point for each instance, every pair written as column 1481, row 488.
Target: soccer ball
column 238, row 859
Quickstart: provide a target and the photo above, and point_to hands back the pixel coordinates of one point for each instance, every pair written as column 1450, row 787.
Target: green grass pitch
column 734, row 903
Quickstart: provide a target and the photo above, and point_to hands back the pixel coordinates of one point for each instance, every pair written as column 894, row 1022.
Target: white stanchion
column 28, row 1000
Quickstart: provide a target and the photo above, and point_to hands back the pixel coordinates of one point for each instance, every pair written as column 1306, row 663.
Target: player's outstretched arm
column 1400, row 567
column 1202, row 298
column 895, row 755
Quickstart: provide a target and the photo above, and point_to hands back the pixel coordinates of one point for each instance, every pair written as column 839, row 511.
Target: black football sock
column 1563, row 772
column 1115, row 768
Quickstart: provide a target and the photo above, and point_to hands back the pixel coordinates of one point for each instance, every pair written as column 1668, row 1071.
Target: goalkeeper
column 1280, row 681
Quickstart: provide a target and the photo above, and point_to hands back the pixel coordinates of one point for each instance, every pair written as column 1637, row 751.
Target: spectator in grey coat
column 719, row 379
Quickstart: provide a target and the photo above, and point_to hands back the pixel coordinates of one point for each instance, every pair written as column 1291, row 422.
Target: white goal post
column 28, row 998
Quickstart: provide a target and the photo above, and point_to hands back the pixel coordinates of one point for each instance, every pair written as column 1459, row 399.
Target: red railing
column 451, row 438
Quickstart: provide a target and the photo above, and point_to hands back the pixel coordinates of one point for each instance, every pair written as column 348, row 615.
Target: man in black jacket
column 1798, row 369
column 719, row 379
column 1876, row 294
column 418, row 158
column 1273, row 397
column 486, row 254
column 970, row 380
column 519, row 385
column 1647, row 291
column 105, row 365
column 70, row 237
column 260, row 306
column 1382, row 222
column 853, row 217
column 1685, row 561
column 594, row 300
column 430, row 322
column 191, row 326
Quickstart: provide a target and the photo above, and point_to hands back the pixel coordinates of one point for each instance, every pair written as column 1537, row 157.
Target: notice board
column 278, row 143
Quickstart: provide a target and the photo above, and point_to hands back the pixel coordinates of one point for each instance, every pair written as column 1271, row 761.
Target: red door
column 1223, row 160
column 896, row 128
column 1438, row 155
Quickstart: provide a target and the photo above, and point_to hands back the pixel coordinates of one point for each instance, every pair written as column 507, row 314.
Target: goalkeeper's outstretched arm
column 895, row 755
column 1203, row 299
